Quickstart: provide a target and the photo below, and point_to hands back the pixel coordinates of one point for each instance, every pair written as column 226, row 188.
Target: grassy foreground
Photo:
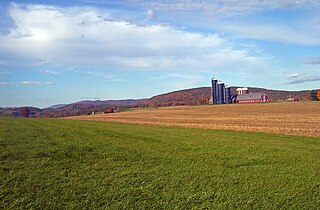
column 47, row 163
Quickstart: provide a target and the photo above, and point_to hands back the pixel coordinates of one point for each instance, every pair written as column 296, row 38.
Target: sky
column 56, row 51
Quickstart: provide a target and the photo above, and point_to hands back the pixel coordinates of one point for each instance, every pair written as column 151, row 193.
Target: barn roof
column 250, row 96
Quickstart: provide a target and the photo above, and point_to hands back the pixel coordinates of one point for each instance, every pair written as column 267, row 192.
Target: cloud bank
column 89, row 37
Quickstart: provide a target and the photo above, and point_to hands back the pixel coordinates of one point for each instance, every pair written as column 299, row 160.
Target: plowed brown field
column 296, row 118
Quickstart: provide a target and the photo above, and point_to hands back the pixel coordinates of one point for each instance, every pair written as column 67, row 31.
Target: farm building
column 252, row 98
column 243, row 90
column 109, row 110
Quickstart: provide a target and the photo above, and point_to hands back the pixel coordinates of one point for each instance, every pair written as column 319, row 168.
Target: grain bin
column 227, row 94
column 221, row 90
column 214, row 93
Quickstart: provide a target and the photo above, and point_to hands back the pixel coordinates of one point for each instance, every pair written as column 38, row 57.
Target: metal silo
column 214, row 94
column 220, row 93
column 227, row 95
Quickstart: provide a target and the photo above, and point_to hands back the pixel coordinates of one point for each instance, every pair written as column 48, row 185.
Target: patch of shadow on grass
column 42, row 155
column 4, row 157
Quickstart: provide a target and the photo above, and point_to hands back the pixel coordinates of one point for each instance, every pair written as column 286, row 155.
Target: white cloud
column 27, row 83
column 77, row 37
column 295, row 75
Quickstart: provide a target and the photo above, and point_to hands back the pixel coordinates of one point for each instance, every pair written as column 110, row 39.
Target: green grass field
column 59, row 164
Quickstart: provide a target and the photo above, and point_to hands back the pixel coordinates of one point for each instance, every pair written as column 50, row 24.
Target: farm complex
column 221, row 94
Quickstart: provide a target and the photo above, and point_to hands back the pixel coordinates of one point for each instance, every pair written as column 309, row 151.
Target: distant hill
column 77, row 108
column 111, row 102
column 57, row 106
column 88, row 106
column 19, row 111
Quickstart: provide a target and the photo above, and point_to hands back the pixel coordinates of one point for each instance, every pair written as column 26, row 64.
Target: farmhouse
column 252, row 98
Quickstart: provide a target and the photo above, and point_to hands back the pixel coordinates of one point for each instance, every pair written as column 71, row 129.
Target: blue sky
column 54, row 52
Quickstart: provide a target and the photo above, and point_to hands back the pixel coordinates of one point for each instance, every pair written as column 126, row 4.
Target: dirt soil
column 296, row 118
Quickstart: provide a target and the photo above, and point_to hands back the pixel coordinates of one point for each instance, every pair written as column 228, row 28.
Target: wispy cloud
column 298, row 79
column 27, row 83
column 90, row 98
column 176, row 76
column 95, row 73
column 49, row 72
column 215, row 9
column 106, row 76
column 7, row 83
column 274, row 32
column 295, row 75
column 179, row 81
column 300, row 29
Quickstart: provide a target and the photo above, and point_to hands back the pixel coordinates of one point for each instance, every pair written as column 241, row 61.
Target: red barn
column 252, row 98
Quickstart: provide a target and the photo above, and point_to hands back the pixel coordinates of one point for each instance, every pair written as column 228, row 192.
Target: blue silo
column 214, row 92
column 220, row 93
column 227, row 95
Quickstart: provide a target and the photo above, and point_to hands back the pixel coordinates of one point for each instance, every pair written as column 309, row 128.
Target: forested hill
column 201, row 95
